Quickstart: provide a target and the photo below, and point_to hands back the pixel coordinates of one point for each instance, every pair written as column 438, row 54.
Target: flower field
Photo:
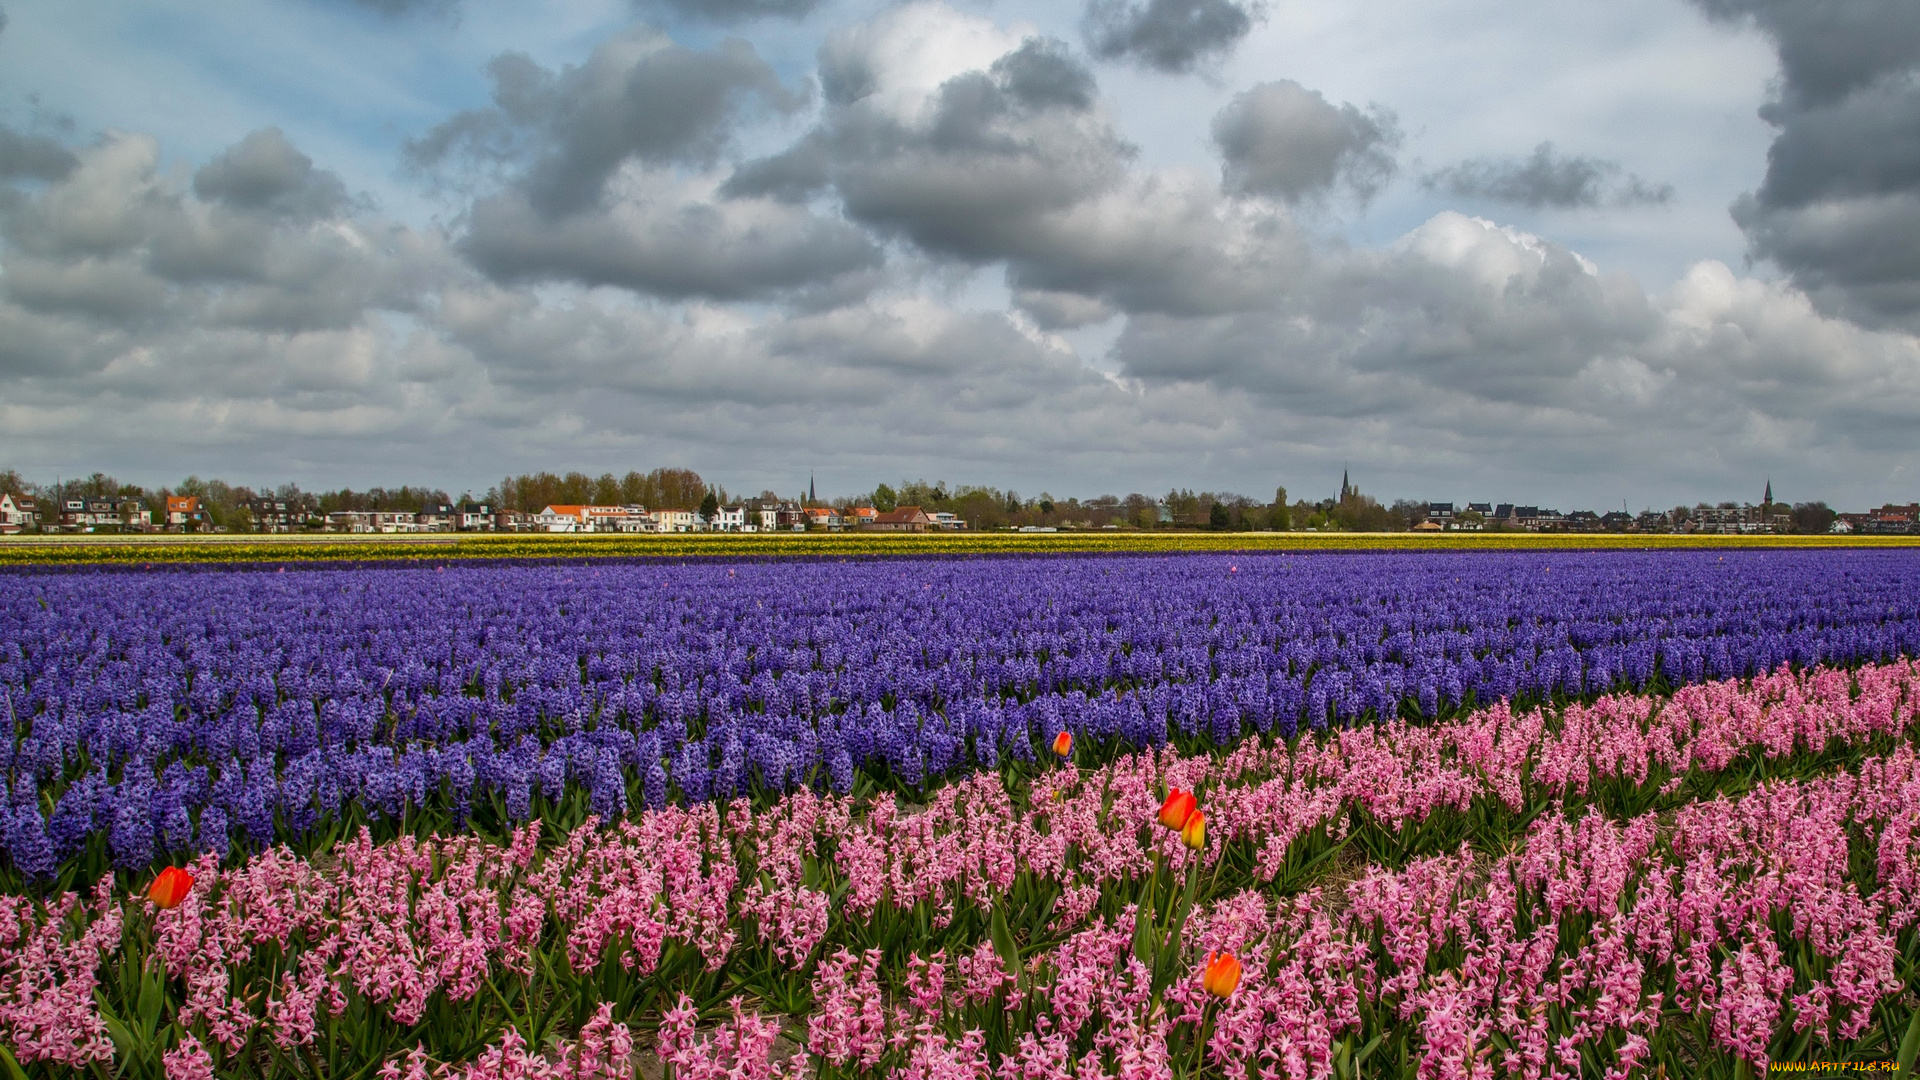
column 1227, row 816
column 135, row 550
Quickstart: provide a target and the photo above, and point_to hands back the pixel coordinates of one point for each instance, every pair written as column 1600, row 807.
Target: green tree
column 1217, row 518
column 710, row 504
column 1278, row 517
column 1184, row 506
column 884, row 498
column 1406, row 513
column 1361, row 513
column 981, row 508
column 1813, row 517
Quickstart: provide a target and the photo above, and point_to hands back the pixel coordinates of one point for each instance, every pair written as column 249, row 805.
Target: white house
column 621, row 519
column 729, row 519
column 373, row 521
column 18, row 512
column 614, row 518
column 678, row 521
column 560, row 519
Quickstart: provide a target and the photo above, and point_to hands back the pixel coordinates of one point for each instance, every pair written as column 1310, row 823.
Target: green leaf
column 122, row 1036
column 1143, row 938
column 13, row 1069
column 1909, row 1047
column 1004, row 944
column 153, row 997
column 1168, row 953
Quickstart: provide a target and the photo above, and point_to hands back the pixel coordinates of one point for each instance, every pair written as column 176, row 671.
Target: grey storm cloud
column 1283, row 140
column 264, row 172
column 639, row 97
column 587, row 189
column 1839, row 208
column 893, row 380
column 157, row 319
column 726, row 11
column 1545, row 179
column 1041, row 74
column 671, row 242
column 115, row 247
column 1830, row 50
column 1015, row 163
column 1466, row 338
column 397, row 9
column 1173, row 36
column 34, row 157
column 996, row 150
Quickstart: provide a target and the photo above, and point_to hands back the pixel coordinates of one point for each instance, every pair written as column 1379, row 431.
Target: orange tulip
column 1194, row 832
column 170, row 887
column 1222, row 975
column 1177, row 809
column 1063, row 743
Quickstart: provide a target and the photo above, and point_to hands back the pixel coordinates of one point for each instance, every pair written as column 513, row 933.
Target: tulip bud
column 1063, row 744
column 1222, row 975
column 1178, row 807
column 1194, row 832
column 170, row 887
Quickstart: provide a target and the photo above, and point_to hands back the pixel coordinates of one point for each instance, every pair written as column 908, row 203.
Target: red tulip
column 1194, row 832
column 1063, row 743
column 170, row 887
column 1177, row 809
column 1222, row 975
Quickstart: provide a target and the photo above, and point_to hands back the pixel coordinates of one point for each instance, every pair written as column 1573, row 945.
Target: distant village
column 933, row 508
column 1765, row 517
column 186, row 514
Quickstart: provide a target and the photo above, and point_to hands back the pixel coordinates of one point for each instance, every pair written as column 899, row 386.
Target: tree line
column 981, row 507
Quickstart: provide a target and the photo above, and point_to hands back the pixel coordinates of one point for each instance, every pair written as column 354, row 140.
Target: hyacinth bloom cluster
column 1733, row 873
column 159, row 714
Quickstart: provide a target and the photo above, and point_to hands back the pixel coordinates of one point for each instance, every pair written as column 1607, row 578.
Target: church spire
column 811, row 497
column 1346, row 489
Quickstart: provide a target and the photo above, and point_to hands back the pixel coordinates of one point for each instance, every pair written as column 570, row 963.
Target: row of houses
column 1767, row 518
column 1892, row 519
column 185, row 513
column 1477, row 516
column 750, row 517
column 19, row 513
column 738, row 518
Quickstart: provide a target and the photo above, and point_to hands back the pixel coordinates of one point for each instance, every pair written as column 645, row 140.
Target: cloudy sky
column 1641, row 252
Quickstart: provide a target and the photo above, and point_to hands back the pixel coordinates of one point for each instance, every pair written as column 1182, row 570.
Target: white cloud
column 898, row 61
